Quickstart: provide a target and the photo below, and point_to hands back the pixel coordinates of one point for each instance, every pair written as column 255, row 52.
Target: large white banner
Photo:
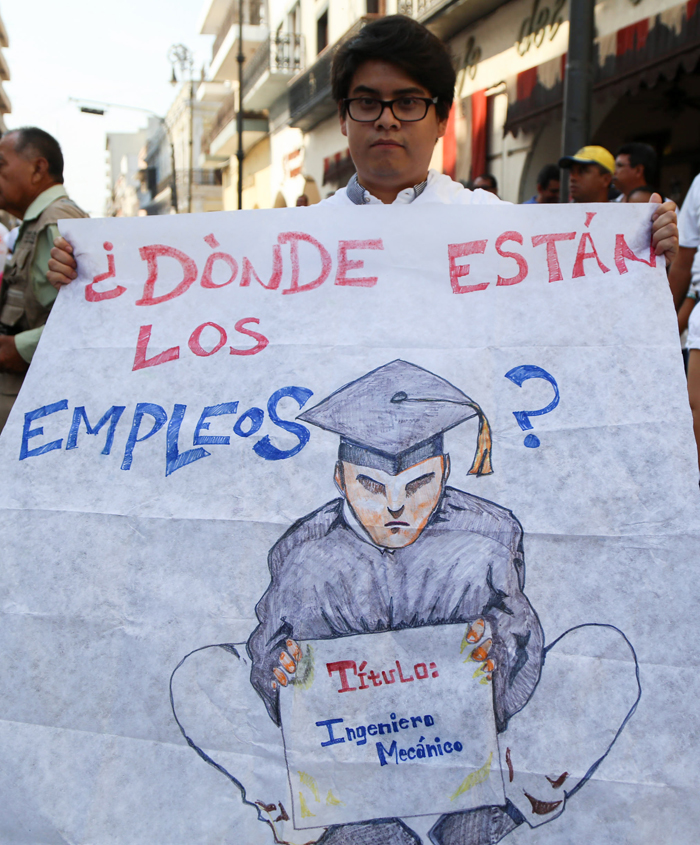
column 364, row 525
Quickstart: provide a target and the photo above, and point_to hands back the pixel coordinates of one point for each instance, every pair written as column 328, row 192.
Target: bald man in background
column 31, row 189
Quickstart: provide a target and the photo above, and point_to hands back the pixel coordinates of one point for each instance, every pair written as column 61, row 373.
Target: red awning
column 338, row 168
column 639, row 54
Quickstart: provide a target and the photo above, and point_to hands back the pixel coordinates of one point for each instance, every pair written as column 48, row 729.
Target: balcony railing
column 253, row 14
column 210, row 178
column 226, row 113
column 418, row 9
column 279, row 54
column 148, row 177
column 206, row 178
column 310, row 99
column 165, row 182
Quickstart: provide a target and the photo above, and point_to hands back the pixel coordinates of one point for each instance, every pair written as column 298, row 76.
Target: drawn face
column 389, row 154
column 394, row 509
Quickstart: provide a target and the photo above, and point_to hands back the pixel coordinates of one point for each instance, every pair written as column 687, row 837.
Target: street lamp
column 182, row 56
column 163, row 123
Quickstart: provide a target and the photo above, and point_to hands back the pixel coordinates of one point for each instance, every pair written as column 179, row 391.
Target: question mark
column 518, row 375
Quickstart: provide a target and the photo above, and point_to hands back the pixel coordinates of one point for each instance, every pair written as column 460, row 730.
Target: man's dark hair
column 643, row 154
column 34, row 141
column 490, row 178
column 643, row 189
column 403, row 42
column 549, row 173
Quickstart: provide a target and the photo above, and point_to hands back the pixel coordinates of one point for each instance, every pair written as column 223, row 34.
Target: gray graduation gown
column 326, row 581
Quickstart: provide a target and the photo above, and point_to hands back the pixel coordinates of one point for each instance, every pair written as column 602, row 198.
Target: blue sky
column 98, row 50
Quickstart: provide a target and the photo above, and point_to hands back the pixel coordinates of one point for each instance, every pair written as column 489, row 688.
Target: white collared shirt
column 438, row 188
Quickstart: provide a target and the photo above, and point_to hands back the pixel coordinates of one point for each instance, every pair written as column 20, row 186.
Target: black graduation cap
column 395, row 416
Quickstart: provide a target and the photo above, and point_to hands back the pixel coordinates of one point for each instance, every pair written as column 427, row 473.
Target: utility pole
column 576, row 126
column 173, row 180
column 191, row 170
column 240, row 58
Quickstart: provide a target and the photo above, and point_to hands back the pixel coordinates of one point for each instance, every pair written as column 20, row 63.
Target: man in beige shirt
column 31, row 189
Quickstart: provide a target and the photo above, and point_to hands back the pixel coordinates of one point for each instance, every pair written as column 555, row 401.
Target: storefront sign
column 542, row 22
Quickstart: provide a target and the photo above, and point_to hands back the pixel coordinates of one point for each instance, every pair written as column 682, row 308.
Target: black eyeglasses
column 406, row 109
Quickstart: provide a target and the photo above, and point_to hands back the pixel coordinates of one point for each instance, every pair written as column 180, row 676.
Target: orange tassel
column 482, row 458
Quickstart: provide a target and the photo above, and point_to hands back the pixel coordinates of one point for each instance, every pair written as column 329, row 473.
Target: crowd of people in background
column 595, row 175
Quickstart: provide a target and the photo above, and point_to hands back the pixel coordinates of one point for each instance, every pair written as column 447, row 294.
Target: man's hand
column 664, row 229
column 10, row 359
column 288, row 662
column 62, row 266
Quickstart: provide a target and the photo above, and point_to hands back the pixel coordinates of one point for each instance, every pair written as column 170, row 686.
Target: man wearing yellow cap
column 591, row 172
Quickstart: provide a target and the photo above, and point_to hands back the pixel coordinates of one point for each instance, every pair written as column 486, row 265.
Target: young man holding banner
column 394, row 84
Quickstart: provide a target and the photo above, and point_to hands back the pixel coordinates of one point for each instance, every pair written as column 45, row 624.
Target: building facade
column 646, row 82
column 175, row 174
column 291, row 138
column 507, row 117
column 124, row 149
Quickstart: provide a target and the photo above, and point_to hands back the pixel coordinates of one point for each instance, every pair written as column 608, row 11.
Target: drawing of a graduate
column 400, row 548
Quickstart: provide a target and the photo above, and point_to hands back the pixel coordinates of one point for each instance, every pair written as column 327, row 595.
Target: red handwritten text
column 349, row 673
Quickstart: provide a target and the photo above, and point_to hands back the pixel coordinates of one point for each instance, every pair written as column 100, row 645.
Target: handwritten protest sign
column 317, row 426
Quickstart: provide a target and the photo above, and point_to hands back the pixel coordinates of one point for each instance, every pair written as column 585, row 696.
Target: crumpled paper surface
column 111, row 575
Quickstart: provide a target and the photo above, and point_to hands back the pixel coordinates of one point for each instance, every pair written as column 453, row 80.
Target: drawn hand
column 288, row 662
column 480, row 653
column 62, row 265
column 664, row 229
